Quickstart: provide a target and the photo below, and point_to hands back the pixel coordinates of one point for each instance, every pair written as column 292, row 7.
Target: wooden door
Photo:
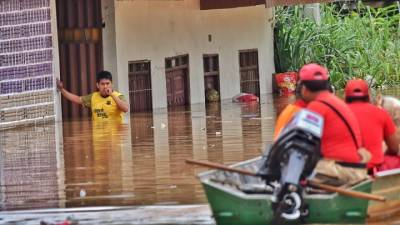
column 80, row 48
column 177, row 80
column 249, row 78
column 140, row 92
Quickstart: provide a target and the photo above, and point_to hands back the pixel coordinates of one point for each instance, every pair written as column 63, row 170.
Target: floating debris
column 69, row 221
column 82, row 193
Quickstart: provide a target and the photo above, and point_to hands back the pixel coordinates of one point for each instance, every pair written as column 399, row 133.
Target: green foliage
column 363, row 44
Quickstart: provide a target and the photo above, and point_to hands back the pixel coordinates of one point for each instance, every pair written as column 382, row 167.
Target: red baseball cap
column 313, row 71
column 356, row 88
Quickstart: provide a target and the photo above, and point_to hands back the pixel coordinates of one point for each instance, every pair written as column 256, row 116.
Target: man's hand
column 109, row 91
column 68, row 95
column 122, row 105
column 60, row 85
column 364, row 154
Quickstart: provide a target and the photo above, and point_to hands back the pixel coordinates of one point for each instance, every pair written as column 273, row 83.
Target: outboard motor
column 292, row 158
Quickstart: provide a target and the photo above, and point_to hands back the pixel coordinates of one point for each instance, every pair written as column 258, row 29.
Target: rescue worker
column 375, row 123
column 290, row 111
column 105, row 104
column 341, row 142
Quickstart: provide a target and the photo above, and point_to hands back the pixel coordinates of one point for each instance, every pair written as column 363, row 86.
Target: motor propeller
column 291, row 159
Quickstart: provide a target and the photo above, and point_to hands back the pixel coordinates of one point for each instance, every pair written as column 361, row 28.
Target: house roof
column 272, row 3
column 224, row 4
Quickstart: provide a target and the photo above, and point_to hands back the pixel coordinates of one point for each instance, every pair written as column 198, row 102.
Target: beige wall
column 156, row 29
column 109, row 44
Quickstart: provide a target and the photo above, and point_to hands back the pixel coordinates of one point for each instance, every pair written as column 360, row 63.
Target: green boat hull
column 236, row 209
column 232, row 206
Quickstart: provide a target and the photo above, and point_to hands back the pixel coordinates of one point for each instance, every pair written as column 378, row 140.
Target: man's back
column 339, row 141
column 376, row 125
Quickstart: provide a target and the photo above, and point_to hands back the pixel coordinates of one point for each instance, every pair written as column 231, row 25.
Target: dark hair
column 316, row 85
column 103, row 75
column 297, row 91
column 351, row 99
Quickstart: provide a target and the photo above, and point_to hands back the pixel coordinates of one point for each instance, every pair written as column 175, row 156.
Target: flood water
column 79, row 163
column 142, row 162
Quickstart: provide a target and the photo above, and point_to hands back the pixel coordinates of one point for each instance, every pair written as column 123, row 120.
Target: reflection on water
column 94, row 155
column 30, row 168
column 139, row 163
column 114, row 165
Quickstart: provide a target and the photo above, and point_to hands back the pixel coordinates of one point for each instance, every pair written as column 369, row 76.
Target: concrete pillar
column 109, row 39
column 56, row 61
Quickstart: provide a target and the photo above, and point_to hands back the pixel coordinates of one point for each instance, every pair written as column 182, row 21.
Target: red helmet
column 312, row 71
column 356, row 88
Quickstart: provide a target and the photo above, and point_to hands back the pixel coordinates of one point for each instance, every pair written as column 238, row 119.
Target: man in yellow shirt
column 105, row 104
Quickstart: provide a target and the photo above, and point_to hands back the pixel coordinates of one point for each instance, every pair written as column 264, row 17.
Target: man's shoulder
column 329, row 97
column 117, row 93
column 120, row 96
column 368, row 107
column 326, row 101
column 365, row 109
column 87, row 99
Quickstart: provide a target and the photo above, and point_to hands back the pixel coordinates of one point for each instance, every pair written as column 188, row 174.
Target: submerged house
column 162, row 53
column 166, row 52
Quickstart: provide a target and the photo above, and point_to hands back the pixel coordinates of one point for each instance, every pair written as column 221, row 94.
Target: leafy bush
column 363, row 43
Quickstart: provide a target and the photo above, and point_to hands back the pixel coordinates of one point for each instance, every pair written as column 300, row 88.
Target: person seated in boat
column 391, row 105
column 344, row 158
column 106, row 104
column 376, row 127
column 290, row 111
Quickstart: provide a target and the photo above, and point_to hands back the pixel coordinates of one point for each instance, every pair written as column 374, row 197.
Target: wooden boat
column 237, row 199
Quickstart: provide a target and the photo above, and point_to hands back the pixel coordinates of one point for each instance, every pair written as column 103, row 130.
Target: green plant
column 363, row 43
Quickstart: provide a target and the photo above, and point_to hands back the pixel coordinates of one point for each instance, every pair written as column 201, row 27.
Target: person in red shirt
column 290, row 111
column 341, row 142
column 375, row 123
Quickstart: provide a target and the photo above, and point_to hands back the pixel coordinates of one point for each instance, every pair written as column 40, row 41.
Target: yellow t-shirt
column 103, row 108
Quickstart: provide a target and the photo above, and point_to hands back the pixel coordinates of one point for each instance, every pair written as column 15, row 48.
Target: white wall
column 108, row 32
column 157, row 29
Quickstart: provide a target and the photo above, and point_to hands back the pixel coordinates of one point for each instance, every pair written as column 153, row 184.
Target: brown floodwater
column 142, row 162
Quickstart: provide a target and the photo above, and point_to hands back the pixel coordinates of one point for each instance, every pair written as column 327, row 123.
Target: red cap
column 356, row 88
column 313, row 71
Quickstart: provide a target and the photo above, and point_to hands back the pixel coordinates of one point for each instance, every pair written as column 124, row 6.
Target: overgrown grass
column 363, row 44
